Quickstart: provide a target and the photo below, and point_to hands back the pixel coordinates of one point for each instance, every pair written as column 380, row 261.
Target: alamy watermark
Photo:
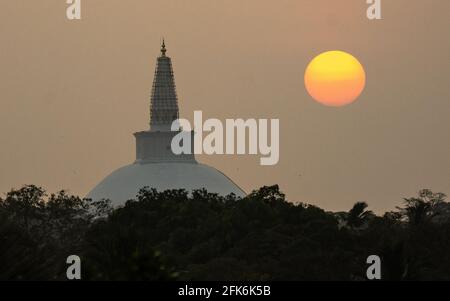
column 374, row 10
column 73, row 272
column 73, row 11
column 229, row 138
column 374, row 270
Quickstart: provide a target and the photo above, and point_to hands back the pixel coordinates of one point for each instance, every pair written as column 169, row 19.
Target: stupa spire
column 164, row 101
column 163, row 48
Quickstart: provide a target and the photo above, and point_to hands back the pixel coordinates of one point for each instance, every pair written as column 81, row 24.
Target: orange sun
column 335, row 78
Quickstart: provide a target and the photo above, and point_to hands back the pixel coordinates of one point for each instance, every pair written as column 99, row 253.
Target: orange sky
column 72, row 93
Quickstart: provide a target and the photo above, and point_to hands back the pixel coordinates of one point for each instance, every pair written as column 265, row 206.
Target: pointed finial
column 163, row 48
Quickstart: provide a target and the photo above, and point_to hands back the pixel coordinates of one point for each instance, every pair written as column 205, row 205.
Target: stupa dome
column 124, row 183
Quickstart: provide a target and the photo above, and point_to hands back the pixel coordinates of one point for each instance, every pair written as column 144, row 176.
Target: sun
column 335, row 78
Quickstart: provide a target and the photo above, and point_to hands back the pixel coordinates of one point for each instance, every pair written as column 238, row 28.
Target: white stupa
column 156, row 166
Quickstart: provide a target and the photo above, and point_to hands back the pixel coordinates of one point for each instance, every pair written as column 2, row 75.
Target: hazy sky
column 73, row 92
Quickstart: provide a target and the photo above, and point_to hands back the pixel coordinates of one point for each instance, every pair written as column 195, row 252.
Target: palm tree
column 358, row 215
column 421, row 210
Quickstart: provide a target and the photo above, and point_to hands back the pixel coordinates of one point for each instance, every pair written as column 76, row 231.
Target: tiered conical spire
column 164, row 102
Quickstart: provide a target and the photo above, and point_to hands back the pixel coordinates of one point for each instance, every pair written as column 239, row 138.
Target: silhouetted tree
column 422, row 209
column 358, row 215
column 38, row 232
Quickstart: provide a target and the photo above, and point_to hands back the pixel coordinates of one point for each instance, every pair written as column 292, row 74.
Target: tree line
column 176, row 235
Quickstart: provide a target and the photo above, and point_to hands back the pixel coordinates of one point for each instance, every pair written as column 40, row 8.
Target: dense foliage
column 202, row 236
